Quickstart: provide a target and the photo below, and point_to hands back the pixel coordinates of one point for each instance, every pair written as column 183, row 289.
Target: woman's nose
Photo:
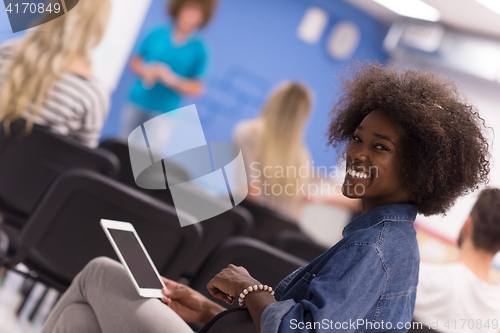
column 358, row 153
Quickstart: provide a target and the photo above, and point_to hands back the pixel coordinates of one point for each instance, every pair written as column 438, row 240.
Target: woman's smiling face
column 373, row 163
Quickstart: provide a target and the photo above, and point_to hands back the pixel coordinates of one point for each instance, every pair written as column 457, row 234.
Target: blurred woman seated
column 277, row 160
column 276, row 156
column 46, row 77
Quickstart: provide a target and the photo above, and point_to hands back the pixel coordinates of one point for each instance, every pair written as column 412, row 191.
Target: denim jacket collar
column 392, row 212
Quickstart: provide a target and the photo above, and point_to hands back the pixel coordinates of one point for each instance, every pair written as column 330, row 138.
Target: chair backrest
column 230, row 321
column 264, row 262
column 216, row 230
column 30, row 163
column 267, row 222
column 297, row 244
column 234, row 222
column 63, row 234
column 126, row 176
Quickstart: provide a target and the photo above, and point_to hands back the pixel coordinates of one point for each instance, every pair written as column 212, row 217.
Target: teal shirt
column 188, row 60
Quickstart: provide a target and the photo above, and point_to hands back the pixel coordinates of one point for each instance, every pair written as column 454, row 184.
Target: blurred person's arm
column 138, row 66
column 190, row 83
column 159, row 72
column 89, row 130
column 190, row 87
column 182, row 85
column 251, row 184
column 149, row 73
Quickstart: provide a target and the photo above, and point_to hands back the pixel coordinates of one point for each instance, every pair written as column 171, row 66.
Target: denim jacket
column 367, row 282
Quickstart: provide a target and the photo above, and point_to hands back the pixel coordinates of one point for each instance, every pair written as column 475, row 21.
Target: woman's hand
column 230, row 282
column 148, row 72
column 167, row 76
column 152, row 73
column 189, row 304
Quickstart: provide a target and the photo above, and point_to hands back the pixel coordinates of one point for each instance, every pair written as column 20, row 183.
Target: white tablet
column 134, row 257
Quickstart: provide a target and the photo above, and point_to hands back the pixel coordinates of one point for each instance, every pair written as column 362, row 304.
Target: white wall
column 111, row 55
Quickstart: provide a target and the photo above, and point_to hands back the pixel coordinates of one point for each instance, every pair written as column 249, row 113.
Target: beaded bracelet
column 248, row 290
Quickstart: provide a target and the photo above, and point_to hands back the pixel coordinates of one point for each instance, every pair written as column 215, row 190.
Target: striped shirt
column 76, row 106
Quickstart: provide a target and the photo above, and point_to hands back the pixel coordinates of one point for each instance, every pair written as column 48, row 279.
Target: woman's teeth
column 359, row 174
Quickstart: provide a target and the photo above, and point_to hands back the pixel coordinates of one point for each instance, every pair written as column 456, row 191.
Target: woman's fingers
column 177, row 292
column 167, row 300
column 212, row 289
column 217, row 293
column 171, row 284
column 222, row 296
column 228, row 281
column 174, row 290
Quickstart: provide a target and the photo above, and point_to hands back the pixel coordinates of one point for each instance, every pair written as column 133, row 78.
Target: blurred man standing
column 460, row 297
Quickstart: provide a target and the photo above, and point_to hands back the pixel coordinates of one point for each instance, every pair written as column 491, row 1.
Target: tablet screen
column 135, row 258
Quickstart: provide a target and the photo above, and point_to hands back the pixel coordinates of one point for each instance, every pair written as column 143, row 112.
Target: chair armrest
column 230, row 321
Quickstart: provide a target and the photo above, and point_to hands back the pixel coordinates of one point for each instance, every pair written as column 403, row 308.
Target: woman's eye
column 381, row 147
column 356, row 138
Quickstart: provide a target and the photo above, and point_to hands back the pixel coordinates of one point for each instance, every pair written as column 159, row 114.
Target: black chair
column 297, row 244
column 230, row 321
column 30, row 163
column 268, row 223
column 264, row 262
column 126, row 176
column 63, row 234
column 234, row 222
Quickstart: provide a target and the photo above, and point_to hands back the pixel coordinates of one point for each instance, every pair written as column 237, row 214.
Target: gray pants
column 103, row 299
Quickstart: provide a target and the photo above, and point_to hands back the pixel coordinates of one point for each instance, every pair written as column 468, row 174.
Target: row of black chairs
column 31, row 163
column 63, row 233
column 53, row 192
column 268, row 226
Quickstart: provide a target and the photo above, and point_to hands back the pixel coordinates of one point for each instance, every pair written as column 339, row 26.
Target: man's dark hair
column 207, row 7
column 486, row 221
column 445, row 154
